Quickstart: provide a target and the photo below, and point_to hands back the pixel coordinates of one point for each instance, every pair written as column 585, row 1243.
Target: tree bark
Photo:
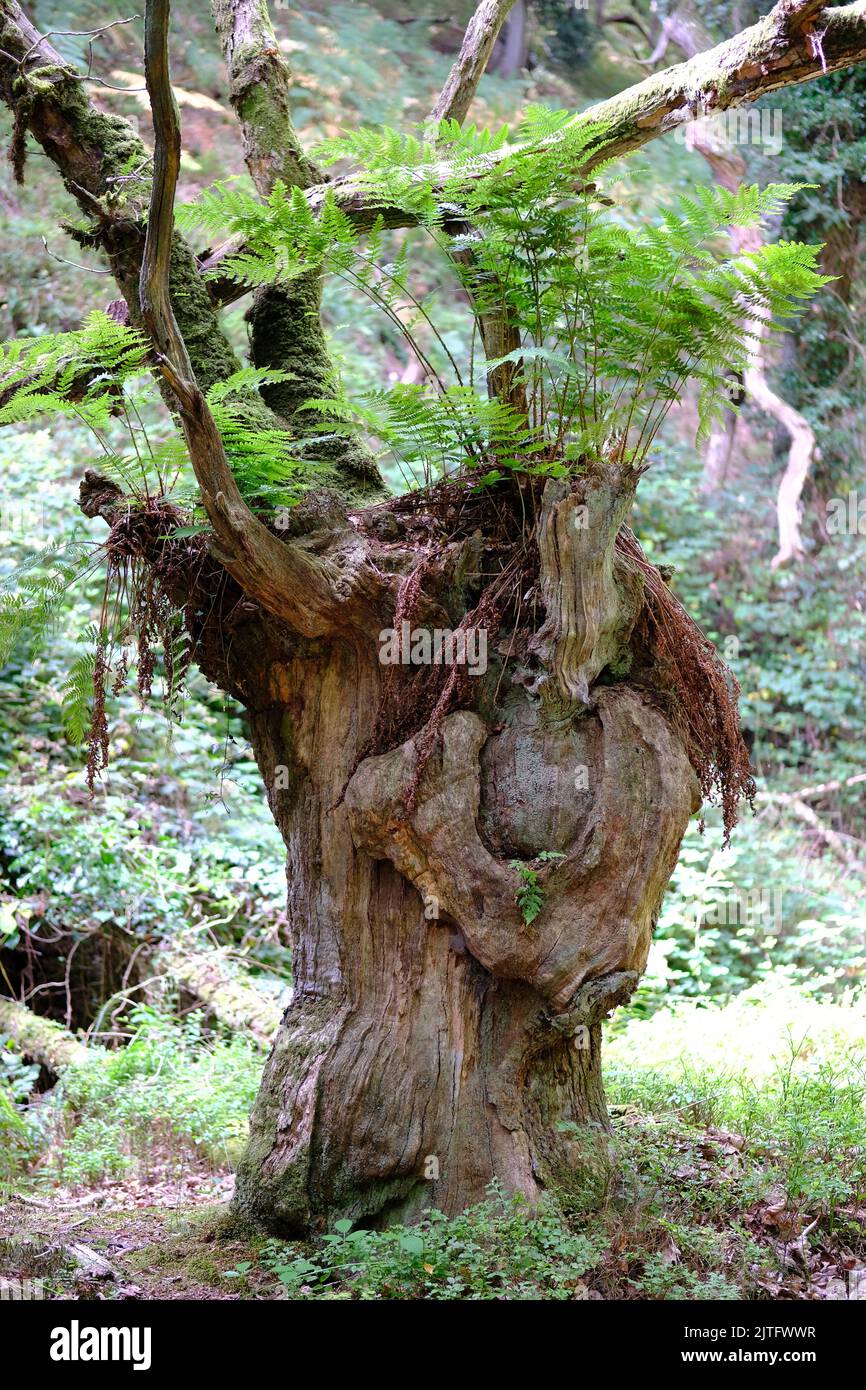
column 481, row 35
column 435, row 1042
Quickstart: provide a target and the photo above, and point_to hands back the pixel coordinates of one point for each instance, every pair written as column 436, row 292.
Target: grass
column 739, row 1132
column 171, row 1089
column 782, row 1075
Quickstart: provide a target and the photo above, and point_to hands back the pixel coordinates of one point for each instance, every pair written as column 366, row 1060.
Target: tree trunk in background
column 719, row 454
column 842, row 241
column 511, row 51
column 685, row 28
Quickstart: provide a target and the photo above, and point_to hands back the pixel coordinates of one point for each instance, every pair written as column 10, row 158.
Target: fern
column 33, row 594
column 75, row 373
column 271, row 466
column 614, row 320
column 98, row 373
column 95, row 374
column 77, row 692
column 530, row 891
column 530, row 895
column 431, row 432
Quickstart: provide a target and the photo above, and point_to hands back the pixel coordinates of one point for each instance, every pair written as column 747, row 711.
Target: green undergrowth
column 737, row 1129
column 170, row 1095
column 739, row 1134
column 783, row 1075
column 503, row 1249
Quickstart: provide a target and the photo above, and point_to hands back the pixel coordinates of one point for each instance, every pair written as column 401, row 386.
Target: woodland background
column 147, row 920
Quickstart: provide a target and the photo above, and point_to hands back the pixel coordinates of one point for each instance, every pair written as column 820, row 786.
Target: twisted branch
column 315, row 595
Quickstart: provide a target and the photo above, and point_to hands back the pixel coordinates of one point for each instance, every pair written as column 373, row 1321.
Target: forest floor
column 158, row 1239
column 738, row 1172
column 697, row 1230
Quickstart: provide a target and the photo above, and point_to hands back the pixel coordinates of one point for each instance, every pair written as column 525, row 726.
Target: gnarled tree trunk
column 437, row 1041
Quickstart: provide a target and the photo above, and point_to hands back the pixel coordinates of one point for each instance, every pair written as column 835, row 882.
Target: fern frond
column 33, row 594
column 69, row 373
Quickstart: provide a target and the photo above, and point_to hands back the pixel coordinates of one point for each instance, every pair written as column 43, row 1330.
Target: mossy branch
column 40, row 1038
column 231, row 995
column 286, row 331
column 796, row 42
column 259, row 88
column 92, row 151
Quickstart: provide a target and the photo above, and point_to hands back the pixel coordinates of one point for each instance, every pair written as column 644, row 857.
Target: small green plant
column 498, row 1249
column 169, row 1088
column 530, row 894
column 20, row 1133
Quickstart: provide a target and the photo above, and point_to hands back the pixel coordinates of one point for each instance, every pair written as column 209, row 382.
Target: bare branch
column 729, row 168
column 626, row 18
column 847, row 848
column 499, row 335
column 801, row 449
column 483, row 30
column 821, row 789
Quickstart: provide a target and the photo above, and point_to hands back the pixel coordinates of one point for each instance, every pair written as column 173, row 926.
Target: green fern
column 75, row 373
column 614, row 321
column 33, row 595
column 98, row 373
column 77, row 692
column 433, row 432
column 271, row 466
